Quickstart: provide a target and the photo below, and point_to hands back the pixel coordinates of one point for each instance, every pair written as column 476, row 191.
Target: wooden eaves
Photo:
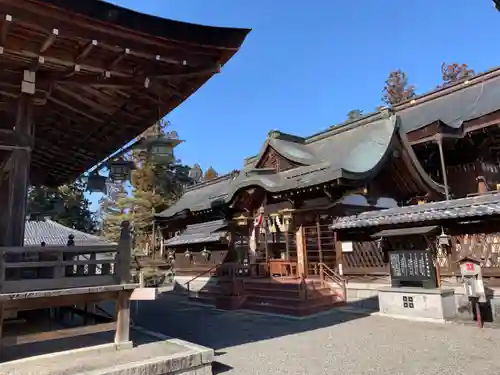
column 101, row 75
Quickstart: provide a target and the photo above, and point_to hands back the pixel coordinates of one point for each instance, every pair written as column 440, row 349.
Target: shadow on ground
column 174, row 316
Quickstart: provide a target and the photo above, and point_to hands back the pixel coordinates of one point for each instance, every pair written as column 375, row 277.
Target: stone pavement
column 344, row 343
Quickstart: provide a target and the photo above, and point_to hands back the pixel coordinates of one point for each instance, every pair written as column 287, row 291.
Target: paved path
column 333, row 343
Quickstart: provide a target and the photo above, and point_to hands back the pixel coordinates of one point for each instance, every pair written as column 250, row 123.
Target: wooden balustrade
column 27, row 269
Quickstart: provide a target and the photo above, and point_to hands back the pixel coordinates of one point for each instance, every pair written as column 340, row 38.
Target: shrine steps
column 207, row 295
column 285, row 298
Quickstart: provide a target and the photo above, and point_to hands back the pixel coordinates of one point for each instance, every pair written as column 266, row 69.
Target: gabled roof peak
column 276, row 134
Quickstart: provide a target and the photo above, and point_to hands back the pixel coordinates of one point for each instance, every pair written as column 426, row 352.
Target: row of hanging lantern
column 159, row 149
column 283, row 220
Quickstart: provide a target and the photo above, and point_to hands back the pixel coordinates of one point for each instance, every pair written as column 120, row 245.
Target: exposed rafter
column 95, row 84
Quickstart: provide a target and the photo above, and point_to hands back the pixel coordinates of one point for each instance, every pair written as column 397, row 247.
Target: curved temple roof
column 104, row 74
column 201, row 196
column 453, row 105
column 355, row 154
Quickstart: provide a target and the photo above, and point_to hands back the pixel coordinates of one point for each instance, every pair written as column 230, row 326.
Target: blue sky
column 307, row 63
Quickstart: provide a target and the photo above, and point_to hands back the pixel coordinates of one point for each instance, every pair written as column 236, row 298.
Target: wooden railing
column 328, row 276
column 212, row 270
column 28, row 269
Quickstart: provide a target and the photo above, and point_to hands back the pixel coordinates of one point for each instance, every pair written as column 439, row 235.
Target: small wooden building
column 471, row 223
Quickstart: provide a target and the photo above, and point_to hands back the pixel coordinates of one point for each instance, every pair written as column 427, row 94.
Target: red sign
column 469, row 267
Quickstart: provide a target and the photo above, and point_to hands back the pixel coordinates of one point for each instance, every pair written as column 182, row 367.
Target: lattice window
column 272, row 159
column 366, row 257
column 481, row 246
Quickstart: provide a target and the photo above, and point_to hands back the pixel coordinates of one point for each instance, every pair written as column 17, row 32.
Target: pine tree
column 155, row 186
column 115, row 208
column 397, row 89
column 454, row 72
column 210, row 174
column 66, row 205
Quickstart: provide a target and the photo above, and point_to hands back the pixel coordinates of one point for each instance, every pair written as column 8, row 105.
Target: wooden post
column 287, row 245
column 338, row 254
column 301, row 252
column 439, row 140
column 122, row 334
column 4, row 214
column 124, row 255
column 2, row 318
column 2, row 271
column 20, row 173
column 320, row 249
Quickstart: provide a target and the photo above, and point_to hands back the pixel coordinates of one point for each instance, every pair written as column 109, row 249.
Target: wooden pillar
column 301, row 252
column 4, row 214
column 338, row 254
column 2, row 318
column 439, row 140
column 122, row 334
column 124, row 255
column 319, row 244
column 21, row 159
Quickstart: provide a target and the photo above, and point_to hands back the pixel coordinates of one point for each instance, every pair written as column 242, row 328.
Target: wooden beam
column 86, row 51
column 12, row 140
column 6, row 22
column 49, row 41
column 82, row 99
column 58, row 334
column 79, row 27
column 73, row 109
column 62, row 58
column 119, row 58
column 26, row 304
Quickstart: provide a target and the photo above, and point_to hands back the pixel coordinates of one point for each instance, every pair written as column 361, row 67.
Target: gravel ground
column 343, row 343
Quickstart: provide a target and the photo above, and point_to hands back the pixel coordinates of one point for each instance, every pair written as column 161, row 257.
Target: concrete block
column 418, row 303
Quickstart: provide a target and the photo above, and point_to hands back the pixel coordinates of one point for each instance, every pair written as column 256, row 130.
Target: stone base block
column 418, row 303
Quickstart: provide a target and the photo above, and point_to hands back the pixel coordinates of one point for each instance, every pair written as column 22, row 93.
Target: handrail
column 334, row 276
column 188, row 283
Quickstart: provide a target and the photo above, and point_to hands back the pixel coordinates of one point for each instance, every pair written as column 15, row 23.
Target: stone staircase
column 291, row 298
column 288, row 297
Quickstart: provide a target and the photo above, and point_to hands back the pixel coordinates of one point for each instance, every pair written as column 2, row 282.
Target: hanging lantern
column 287, row 215
column 120, row 170
column 161, row 149
column 443, row 239
column 205, row 253
column 241, row 220
column 96, row 183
